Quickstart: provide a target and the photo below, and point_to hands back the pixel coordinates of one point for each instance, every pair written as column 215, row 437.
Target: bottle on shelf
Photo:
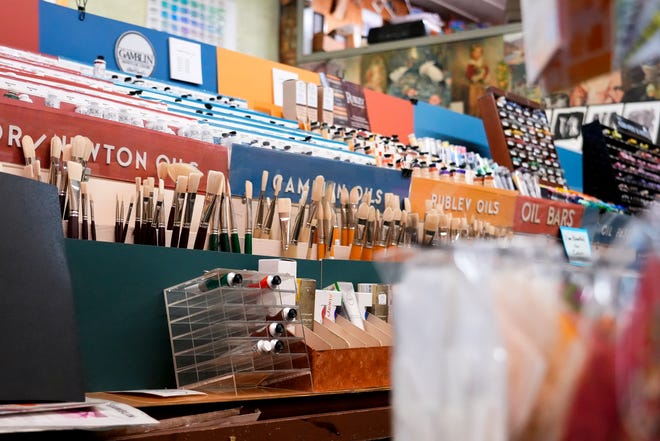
column 99, row 66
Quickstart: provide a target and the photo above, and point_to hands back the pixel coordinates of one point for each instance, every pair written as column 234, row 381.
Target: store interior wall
column 257, row 40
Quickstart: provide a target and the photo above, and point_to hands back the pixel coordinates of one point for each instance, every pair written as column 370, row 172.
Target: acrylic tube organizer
column 236, row 337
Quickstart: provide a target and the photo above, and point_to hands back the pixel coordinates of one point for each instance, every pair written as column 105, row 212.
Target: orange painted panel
column 489, row 204
column 251, row 78
column 389, row 115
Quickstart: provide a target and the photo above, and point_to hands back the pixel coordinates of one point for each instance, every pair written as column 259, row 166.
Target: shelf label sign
column 542, row 216
column 297, row 170
column 493, row 205
column 135, row 54
column 577, row 245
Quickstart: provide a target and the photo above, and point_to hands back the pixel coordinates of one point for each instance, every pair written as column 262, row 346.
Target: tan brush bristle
column 327, row 211
column 388, row 215
column 317, row 188
column 343, row 196
column 303, row 195
column 284, row 207
column 363, row 211
column 248, row 189
column 213, row 181
column 75, row 170
column 193, row 182
column 354, row 197
column 264, row 180
column 163, row 170
column 77, row 147
column 397, row 214
column 277, row 184
column 55, row 147
column 443, row 221
column 329, row 190
column 406, row 204
column 28, row 149
column 177, row 169
column 66, row 153
column 431, row 222
column 181, row 184
column 88, row 146
column 371, row 216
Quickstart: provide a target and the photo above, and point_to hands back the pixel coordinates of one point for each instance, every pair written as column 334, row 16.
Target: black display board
column 38, row 334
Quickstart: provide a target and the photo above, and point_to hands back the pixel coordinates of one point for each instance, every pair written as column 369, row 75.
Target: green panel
column 118, row 291
column 358, row 272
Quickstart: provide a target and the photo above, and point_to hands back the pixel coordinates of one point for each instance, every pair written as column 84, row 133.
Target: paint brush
column 368, row 248
column 284, row 214
column 261, row 205
column 235, row 240
column 92, row 223
column 401, row 236
column 55, row 153
column 268, row 223
column 344, row 205
column 75, row 171
column 328, row 208
column 215, row 218
column 155, row 239
column 412, row 226
column 210, row 199
column 317, row 195
column 351, row 212
column 87, row 153
column 333, row 231
column 360, row 230
column 444, row 222
column 224, row 244
column 248, row 218
column 310, row 242
column 193, row 185
column 181, row 185
column 147, row 211
column 28, row 155
column 175, row 171
column 320, row 231
column 36, row 170
column 124, row 231
column 64, row 182
column 430, row 229
column 121, row 217
column 296, row 230
column 387, row 231
column 117, row 224
column 138, row 211
column 396, row 226
column 160, row 219
column 85, row 219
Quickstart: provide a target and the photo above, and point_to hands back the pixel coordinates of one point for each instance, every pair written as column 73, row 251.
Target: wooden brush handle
column 356, row 252
column 85, row 230
column 92, row 226
column 320, row 251
column 248, row 243
column 291, row 252
column 224, row 242
column 200, row 239
column 73, row 225
column 170, row 219
column 351, row 236
column 213, row 242
column 379, row 249
column 235, row 243
column 344, row 236
column 161, row 235
column 183, row 239
column 136, row 231
column 174, row 242
column 367, row 253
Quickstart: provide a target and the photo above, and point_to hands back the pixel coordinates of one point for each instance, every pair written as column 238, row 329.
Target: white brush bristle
column 248, row 190
column 193, row 182
column 55, row 147
column 75, row 170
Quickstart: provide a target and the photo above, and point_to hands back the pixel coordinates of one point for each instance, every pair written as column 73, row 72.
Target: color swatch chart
column 208, row 21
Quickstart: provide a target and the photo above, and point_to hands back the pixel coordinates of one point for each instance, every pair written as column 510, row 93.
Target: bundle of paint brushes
column 69, row 173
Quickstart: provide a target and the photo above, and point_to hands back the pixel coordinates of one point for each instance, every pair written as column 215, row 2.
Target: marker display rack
column 236, row 337
column 519, row 136
column 620, row 168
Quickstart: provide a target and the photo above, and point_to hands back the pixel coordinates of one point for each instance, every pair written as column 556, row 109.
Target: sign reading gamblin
column 135, row 54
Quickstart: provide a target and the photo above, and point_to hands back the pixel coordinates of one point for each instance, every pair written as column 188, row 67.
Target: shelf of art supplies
column 118, row 294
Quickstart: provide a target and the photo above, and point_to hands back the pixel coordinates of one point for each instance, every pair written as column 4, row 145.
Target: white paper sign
column 185, row 61
column 576, row 244
column 279, row 77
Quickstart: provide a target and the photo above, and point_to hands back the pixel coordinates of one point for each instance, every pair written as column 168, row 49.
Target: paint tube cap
column 276, row 346
column 289, row 314
column 276, row 329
